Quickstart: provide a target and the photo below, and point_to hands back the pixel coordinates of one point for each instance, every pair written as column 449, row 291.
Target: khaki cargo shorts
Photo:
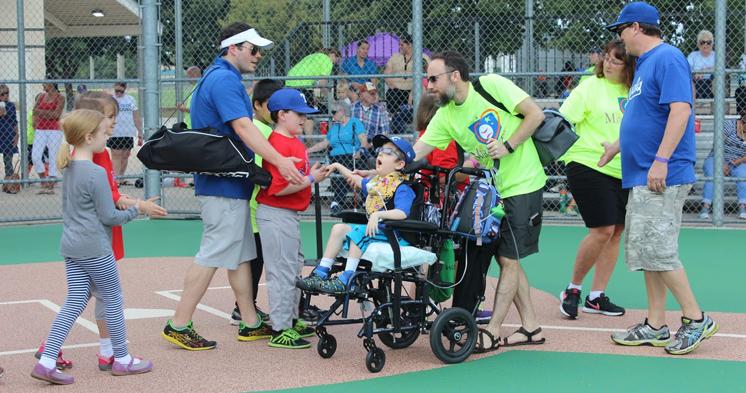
column 652, row 226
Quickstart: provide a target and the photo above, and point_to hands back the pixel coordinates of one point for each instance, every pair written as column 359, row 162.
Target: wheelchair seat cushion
column 381, row 256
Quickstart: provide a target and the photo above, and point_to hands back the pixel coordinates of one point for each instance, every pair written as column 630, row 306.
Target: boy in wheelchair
column 387, row 197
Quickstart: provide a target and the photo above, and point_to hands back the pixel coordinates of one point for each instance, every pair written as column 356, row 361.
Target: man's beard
column 444, row 98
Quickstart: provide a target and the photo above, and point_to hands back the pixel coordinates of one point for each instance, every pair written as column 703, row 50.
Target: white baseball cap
column 249, row 35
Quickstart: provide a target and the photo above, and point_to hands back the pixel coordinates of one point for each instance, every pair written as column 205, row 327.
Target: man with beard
column 489, row 134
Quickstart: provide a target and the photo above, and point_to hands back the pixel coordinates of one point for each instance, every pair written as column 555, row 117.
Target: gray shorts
column 227, row 236
column 652, row 225
column 99, row 309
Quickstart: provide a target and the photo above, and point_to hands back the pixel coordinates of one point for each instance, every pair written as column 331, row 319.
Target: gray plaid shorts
column 652, row 226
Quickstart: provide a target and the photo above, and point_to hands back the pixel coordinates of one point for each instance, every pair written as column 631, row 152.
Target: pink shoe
column 120, row 369
column 61, row 362
column 104, row 363
column 51, row 375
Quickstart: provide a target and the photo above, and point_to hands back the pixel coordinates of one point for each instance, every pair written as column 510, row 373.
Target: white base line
column 226, row 287
column 213, row 311
column 23, row 351
column 608, row 330
column 56, row 308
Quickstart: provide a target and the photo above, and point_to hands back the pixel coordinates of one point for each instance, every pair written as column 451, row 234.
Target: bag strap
column 490, row 98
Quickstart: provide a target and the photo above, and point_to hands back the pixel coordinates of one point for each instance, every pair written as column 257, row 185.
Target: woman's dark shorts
column 601, row 199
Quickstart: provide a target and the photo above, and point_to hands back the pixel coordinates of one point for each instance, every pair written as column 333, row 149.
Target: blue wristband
column 311, row 179
column 661, row 159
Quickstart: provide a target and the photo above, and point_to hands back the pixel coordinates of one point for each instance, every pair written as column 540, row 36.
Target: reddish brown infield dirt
column 239, row 366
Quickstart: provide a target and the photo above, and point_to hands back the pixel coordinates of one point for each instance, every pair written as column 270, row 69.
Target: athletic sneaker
column 186, row 338
column 311, row 283
column 289, row 339
column 333, row 286
column 569, row 299
column 483, row 315
column 303, row 329
column 742, row 213
column 246, row 333
column 104, row 363
column 690, row 335
column 704, row 214
column 311, row 314
column 643, row 334
column 602, row 305
column 236, row 316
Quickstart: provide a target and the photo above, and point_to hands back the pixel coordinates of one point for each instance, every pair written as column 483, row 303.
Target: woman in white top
column 703, row 60
column 126, row 129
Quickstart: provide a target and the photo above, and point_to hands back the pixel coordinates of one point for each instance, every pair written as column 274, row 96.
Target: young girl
column 88, row 212
column 387, row 197
column 107, row 105
column 279, row 222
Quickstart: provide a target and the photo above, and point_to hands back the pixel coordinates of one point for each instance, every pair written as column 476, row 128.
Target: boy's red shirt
column 117, row 240
column 288, row 147
column 447, row 158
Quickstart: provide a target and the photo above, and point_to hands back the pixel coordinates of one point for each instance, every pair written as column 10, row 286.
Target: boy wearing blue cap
column 387, row 197
column 277, row 216
column 657, row 143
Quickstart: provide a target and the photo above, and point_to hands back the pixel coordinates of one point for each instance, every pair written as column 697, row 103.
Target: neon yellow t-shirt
column 265, row 130
column 311, row 65
column 475, row 121
column 588, row 70
column 30, row 131
column 595, row 107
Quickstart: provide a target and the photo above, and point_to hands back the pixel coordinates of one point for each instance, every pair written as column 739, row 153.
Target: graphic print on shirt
column 636, row 89
column 622, row 103
column 487, row 126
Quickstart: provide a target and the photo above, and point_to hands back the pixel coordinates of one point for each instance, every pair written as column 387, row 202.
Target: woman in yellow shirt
column 596, row 107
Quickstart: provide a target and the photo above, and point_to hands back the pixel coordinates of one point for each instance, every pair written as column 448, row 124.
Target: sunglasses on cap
column 705, row 42
column 389, row 152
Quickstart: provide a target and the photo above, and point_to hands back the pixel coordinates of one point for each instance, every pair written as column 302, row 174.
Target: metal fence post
column 22, row 107
column 719, row 109
column 477, row 47
column 179, row 51
column 417, row 51
column 150, row 75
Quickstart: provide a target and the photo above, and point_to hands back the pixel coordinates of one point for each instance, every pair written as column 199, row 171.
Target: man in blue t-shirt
column 360, row 64
column 657, row 144
column 220, row 101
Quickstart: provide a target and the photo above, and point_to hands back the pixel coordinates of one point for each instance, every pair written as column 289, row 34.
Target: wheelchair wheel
column 375, row 359
column 326, row 346
column 410, row 316
column 453, row 335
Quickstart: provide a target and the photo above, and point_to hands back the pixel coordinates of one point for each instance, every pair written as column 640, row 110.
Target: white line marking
column 213, row 311
column 608, row 330
column 56, row 308
column 22, row 351
column 226, row 287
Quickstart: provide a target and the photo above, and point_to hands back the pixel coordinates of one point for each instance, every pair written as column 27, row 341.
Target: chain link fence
column 364, row 54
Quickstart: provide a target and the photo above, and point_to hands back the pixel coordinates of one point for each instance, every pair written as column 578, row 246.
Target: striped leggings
column 101, row 271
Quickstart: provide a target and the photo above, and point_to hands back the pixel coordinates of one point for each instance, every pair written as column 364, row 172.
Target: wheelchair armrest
column 411, row 226
column 352, row 217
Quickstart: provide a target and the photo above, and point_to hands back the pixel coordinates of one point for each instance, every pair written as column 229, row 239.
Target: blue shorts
column 357, row 235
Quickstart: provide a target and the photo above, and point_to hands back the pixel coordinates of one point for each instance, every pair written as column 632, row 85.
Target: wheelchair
column 395, row 318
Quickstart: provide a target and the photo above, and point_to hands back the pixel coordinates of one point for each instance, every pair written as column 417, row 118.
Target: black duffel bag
column 201, row 151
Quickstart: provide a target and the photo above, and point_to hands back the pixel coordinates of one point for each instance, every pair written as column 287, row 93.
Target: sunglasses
column 434, row 78
column 389, row 152
column 254, row 49
column 621, row 28
column 4, row 93
column 119, row 91
column 705, row 42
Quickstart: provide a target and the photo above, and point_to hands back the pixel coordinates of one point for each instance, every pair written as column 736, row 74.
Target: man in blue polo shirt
column 360, row 64
column 657, row 144
column 220, row 101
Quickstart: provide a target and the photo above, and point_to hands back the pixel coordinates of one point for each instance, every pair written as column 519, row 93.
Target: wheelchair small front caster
column 326, row 346
column 375, row 359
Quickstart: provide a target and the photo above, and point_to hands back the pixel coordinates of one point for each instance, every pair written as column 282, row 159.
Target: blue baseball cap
column 640, row 12
column 402, row 144
column 288, row 99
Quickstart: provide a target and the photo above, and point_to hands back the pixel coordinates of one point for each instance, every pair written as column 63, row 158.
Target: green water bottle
column 498, row 211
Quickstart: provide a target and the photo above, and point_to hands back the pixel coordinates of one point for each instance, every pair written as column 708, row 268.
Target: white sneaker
column 704, row 214
column 742, row 214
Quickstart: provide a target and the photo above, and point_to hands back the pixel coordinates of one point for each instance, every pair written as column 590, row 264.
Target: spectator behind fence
column 373, row 114
column 349, row 144
column 47, row 135
column 595, row 56
column 8, row 130
column 703, row 60
column 128, row 127
column 399, row 89
column 734, row 163
column 564, row 83
column 596, row 107
column 191, row 72
column 360, row 64
column 320, row 63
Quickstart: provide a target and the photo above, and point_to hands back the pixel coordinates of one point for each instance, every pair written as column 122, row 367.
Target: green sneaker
column 691, row 334
column 186, row 338
column 333, row 286
column 311, row 283
column 643, row 334
column 246, row 333
column 303, row 329
column 289, row 339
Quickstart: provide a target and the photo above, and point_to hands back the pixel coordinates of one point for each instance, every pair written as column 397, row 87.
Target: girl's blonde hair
column 77, row 125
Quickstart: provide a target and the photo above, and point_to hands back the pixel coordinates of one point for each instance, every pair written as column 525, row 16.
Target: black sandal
column 529, row 338
column 494, row 342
